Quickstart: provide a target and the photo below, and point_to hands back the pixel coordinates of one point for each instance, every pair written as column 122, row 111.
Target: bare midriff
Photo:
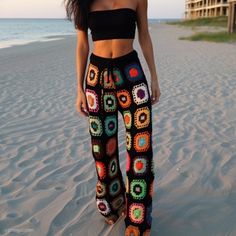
column 111, row 48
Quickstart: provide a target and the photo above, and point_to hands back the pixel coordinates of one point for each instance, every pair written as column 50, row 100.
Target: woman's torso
column 111, row 48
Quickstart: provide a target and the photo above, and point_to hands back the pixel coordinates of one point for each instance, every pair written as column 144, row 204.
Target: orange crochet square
column 124, row 98
column 142, row 141
column 92, row 75
column 132, row 230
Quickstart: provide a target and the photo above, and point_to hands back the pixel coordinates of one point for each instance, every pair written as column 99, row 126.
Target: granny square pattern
column 113, row 167
column 142, row 117
column 128, row 140
column 101, row 169
column 111, row 125
column 142, row 141
column 114, row 187
column 92, row 76
column 124, row 98
column 111, row 146
column 138, row 188
column 140, row 165
column 137, row 213
column 127, row 119
column 133, row 72
column 110, row 104
column 95, row 126
column 100, row 189
column 92, row 100
column 114, row 86
column 103, row 206
column 140, row 93
column 97, row 148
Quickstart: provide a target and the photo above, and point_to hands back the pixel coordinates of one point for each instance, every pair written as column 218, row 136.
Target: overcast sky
column 55, row 9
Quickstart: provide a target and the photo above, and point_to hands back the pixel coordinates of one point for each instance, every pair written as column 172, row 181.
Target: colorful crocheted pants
column 119, row 85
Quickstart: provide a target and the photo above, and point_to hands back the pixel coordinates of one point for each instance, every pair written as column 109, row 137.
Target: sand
column 47, row 173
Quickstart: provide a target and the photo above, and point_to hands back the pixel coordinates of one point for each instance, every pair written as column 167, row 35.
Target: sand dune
column 47, row 173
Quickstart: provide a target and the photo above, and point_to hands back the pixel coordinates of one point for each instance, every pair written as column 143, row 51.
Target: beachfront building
column 205, row 8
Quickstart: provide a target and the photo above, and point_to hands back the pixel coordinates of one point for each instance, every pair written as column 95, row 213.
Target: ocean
column 23, row 31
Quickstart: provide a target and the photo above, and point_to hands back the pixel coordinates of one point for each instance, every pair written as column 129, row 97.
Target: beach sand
column 47, row 173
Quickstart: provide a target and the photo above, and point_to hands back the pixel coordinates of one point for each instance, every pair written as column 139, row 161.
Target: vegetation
column 220, row 21
column 211, row 22
column 222, row 36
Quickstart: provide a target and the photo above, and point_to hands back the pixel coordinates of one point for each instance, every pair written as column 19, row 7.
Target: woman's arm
column 147, row 48
column 82, row 51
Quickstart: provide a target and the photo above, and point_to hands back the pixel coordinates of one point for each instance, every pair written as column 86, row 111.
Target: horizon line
column 56, row 18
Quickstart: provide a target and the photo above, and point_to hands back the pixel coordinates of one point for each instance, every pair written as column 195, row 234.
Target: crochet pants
column 112, row 85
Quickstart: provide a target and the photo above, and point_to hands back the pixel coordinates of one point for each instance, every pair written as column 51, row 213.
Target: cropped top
column 112, row 24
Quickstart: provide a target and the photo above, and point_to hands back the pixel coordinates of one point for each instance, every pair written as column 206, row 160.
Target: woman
column 115, row 81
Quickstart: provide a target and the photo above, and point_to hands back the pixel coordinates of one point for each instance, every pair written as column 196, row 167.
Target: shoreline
column 16, row 42
column 10, row 44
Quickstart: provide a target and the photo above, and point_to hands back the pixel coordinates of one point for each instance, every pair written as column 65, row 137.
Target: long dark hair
column 78, row 10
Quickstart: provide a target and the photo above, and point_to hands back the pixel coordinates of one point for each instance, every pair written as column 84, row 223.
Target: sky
column 56, row 9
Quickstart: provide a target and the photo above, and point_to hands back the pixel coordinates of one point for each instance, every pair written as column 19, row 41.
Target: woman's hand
column 81, row 103
column 155, row 96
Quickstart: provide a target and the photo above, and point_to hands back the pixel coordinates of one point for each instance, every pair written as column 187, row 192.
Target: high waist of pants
column 110, row 63
column 104, row 61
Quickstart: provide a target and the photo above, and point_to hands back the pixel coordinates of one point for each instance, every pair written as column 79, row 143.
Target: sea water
column 22, row 31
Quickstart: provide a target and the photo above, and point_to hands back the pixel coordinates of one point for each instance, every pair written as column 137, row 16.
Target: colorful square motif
column 110, row 104
column 142, row 141
column 137, row 212
column 107, row 81
column 114, row 187
column 111, row 125
column 97, row 148
column 111, row 146
column 140, row 165
column 140, row 93
column 101, row 169
column 127, row 119
column 142, row 117
column 128, row 140
column 92, row 76
column 132, row 230
column 138, row 188
column 103, row 206
column 124, row 98
column 113, row 167
column 100, row 189
column 95, row 126
column 92, row 100
column 133, row 72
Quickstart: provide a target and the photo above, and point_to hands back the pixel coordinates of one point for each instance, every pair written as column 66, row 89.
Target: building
column 206, row 8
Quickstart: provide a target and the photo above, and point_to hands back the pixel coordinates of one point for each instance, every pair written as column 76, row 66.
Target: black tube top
column 112, row 24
